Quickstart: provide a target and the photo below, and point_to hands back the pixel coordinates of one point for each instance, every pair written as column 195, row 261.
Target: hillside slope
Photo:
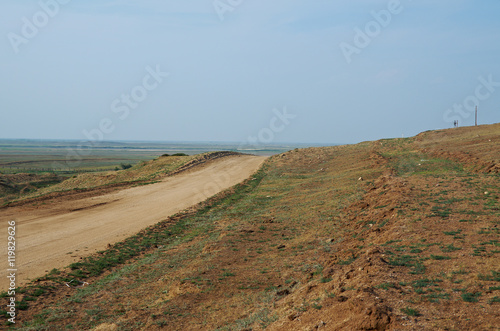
column 57, row 233
column 14, row 185
column 24, row 188
column 396, row 234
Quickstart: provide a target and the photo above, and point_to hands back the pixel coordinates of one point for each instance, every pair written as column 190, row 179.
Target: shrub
column 471, row 297
column 410, row 311
column 495, row 277
column 494, row 300
column 347, row 262
column 440, row 257
column 403, row 261
column 386, row 286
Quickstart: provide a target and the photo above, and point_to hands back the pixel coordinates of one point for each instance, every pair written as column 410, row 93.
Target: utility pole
column 476, row 115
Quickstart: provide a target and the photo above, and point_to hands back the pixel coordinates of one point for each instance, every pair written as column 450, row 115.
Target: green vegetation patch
column 471, row 297
column 410, row 312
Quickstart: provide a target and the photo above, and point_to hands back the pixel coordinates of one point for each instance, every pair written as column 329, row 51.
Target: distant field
column 68, row 157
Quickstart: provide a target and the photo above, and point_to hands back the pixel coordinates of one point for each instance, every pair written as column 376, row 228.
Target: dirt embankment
column 476, row 148
column 14, row 185
column 90, row 184
column 381, row 235
column 53, row 233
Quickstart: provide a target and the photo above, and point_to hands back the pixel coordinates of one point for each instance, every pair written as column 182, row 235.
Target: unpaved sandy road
column 56, row 235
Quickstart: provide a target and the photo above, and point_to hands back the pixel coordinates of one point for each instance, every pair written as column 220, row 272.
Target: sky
column 319, row 71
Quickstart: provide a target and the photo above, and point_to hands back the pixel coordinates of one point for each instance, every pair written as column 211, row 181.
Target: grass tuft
column 410, row 311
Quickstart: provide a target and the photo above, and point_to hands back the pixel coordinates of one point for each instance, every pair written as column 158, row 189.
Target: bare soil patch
column 57, row 232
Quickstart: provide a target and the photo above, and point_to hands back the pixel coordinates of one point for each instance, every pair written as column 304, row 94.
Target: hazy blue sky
column 68, row 68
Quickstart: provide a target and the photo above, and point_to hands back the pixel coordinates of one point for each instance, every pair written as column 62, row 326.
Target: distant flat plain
column 71, row 156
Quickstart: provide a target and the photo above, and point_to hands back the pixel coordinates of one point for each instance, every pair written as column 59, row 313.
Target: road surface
column 57, row 235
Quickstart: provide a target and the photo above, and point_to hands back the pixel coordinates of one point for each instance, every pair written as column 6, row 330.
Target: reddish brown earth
column 398, row 234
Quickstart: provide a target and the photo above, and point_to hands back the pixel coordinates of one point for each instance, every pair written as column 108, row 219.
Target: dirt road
column 56, row 235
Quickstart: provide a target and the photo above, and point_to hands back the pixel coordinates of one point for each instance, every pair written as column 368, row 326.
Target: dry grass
column 392, row 234
column 144, row 171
